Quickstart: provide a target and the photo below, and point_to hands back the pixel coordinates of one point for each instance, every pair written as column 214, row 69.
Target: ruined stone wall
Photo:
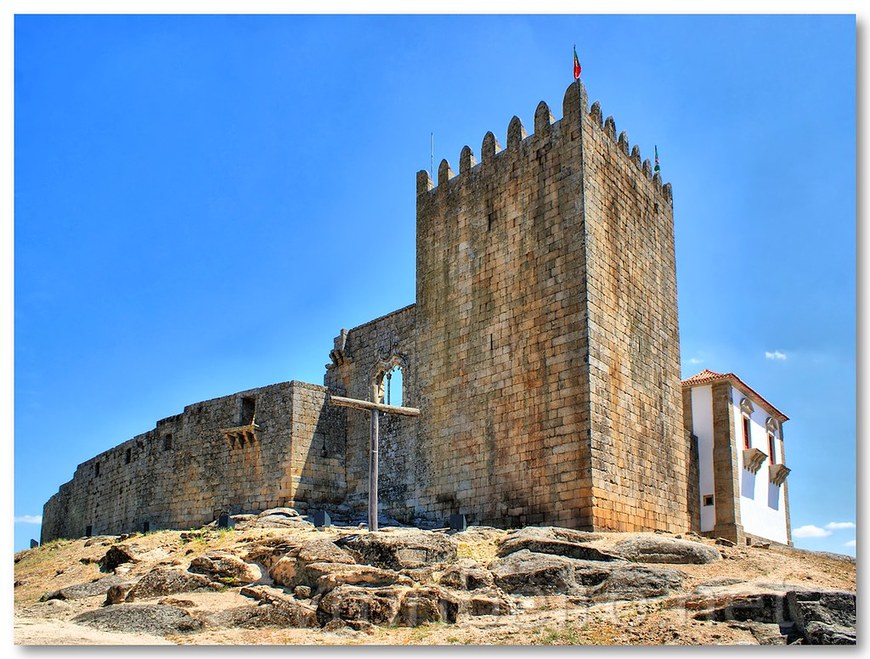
column 186, row 471
column 361, row 358
column 640, row 451
column 501, row 345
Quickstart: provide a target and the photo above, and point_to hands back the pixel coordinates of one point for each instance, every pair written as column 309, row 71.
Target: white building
column 743, row 494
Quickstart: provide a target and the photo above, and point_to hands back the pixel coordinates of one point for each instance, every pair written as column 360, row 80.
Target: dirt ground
column 550, row 620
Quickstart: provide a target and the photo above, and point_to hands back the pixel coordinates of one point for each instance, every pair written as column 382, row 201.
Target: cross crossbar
column 368, row 405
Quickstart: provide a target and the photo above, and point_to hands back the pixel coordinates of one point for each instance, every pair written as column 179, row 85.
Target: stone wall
column 366, row 353
column 640, row 451
column 186, row 471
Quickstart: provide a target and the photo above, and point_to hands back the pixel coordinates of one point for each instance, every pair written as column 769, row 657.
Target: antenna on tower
column 432, row 156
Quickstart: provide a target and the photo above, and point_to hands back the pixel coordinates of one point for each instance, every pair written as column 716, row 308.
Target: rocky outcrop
column 528, row 573
column 117, row 555
column 376, row 606
column 163, row 581
column 150, row 618
column 808, row 616
column 552, row 540
column 650, row 549
column 89, row 589
column 824, row 618
column 466, row 575
column 225, row 568
column 400, row 549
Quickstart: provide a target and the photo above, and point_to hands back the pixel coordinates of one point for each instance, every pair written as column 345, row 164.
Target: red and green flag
column 576, row 65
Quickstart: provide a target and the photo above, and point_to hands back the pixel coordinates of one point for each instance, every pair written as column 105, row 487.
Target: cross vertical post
column 374, row 408
column 373, row 474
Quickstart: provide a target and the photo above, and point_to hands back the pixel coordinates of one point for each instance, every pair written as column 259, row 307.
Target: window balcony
column 778, row 474
column 753, row 458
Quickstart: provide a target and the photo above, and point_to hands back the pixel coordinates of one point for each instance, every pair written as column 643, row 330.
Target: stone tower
column 547, row 347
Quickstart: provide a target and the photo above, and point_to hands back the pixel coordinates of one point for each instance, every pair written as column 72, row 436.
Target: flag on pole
column 576, row 65
column 657, row 168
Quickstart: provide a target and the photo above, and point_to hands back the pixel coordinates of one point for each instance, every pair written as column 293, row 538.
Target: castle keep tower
column 547, row 345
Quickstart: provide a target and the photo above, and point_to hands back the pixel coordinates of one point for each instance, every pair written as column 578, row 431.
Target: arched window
column 392, row 386
column 389, row 383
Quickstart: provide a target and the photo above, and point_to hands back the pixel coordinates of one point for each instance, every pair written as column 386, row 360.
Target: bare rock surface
column 168, row 581
column 465, row 593
column 400, row 549
column 824, row 618
column 551, row 543
column 89, row 589
column 655, row 549
column 527, row 573
column 149, row 618
column 117, row 555
column 225, row 568
column 376, row 606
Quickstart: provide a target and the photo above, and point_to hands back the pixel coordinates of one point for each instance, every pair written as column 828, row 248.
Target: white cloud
column 834, row 526
column 776, row 354
column 851, row 543
column 28, row 519
column 695, row 360
column 810, row 531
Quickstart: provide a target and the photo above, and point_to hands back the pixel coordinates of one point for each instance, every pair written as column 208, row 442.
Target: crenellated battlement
column 574, row 106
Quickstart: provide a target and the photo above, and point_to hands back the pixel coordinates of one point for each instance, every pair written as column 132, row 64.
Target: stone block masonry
column 257, row 449
column 547, row 336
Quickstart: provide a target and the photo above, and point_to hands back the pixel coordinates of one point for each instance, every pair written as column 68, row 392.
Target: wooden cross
column 373, row 445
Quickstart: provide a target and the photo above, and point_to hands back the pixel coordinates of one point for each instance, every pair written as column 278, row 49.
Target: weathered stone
column 824, row 617
column 286, row 611
column 162, row 581
column 331, row 575
column 631, row 582
column 174, row 601
column 117, row 594
column 302, row 592
column 149, row 619
column 650, row 549
column 117, row 555
column 527, row 573
column 491, row 602
column 377, row 606
column 88, row 589
column 543, row 545
column 466, row 576
column 225, row 568
column 400, row 549
column 427, row 605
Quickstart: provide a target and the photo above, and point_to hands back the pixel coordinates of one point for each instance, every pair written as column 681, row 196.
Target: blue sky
column 203, row 202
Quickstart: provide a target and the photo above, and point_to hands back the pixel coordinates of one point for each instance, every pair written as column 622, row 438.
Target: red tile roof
column 707, row 376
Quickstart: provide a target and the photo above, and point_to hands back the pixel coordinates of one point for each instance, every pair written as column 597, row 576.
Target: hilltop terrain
column 276, row 579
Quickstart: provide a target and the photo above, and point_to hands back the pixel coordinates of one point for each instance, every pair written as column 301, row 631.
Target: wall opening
column 128, row 456
column 247, row 409
column 96, row 469
column 391, row 387
column 167, row 442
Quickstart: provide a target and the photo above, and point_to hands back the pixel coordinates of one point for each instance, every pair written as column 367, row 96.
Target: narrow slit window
column 747, row 443
column 771, row 448
column 96, row 469
column 128, row 456
column 167, row 442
